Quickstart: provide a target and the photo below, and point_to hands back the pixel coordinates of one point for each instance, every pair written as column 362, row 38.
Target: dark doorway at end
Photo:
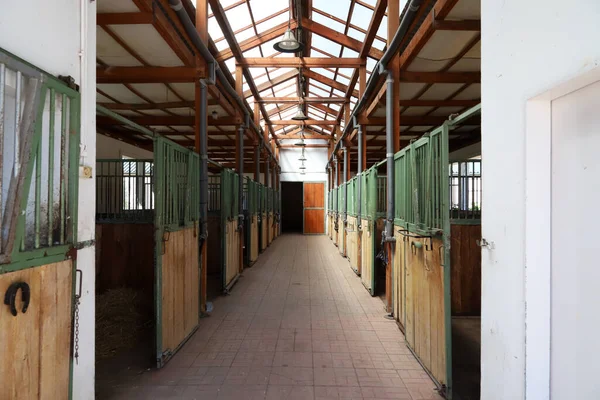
column 292, row 207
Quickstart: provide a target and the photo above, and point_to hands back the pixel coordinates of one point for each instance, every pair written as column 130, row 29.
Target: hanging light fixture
column 300, row 116
column 300, row 143
column 302, row 157
column 288, row 43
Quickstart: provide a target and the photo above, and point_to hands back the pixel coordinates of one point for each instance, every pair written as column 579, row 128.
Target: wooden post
column 394, row 66
column 202, row 28
column 362, row 81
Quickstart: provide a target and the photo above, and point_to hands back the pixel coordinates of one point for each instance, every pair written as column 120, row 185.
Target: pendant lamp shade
column 288, row 43
column 300, row 116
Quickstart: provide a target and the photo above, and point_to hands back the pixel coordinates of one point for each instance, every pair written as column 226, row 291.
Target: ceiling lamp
column 288, row 43
column 303, row 157
column 300, row 116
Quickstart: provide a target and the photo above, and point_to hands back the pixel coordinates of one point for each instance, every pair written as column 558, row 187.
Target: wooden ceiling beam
column 134, row 18
column 339, row 38
column 307, row 122
column 308, row 146
column 273, row 82
column 405, row 120
column 316, row 100
column 440, row 77
column 256, row 41
column 154, row 120
column 221, row 18
column 149, row 74
column 328, row 81
column 301, row 62
column 163, row 19
column 463, row 25
column 439, row 11
column 151, row 106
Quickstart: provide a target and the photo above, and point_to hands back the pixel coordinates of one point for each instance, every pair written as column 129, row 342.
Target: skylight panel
column 271, row 22
column 339, row 8
column 371, row 64
column 361, row 16
column 238, row 17
column 259, row 11
column 353, row 33
column 230, row 65
column 320, row 85
column 330, row 23
column 325, row 45
column 378, row 44
column 349, row 53
column 324, row 72
column 320, row 92
column 338, row 93
column 347, row 72
column 382, row 31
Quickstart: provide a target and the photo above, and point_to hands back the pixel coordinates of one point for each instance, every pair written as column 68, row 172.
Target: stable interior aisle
column 299, row 325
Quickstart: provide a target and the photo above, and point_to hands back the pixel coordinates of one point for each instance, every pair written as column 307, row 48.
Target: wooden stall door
column 180, row 290
column 36, row 344
column 314, row 208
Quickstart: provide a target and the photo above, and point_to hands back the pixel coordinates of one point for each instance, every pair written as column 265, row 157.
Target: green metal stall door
column 177, row 264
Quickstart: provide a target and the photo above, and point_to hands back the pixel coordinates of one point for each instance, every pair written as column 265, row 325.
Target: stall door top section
column 314, row 195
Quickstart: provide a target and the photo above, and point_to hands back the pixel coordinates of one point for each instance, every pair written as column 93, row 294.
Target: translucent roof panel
column 330, row 23
column 260, row 12
column 339, row 8
column 361, row 16
column 238, row 17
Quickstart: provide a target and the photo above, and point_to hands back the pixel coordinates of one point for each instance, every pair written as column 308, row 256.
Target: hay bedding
column 123, row 318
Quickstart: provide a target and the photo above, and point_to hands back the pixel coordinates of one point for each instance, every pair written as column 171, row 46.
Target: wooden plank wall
column 270, row 229
column 125, row 257
column 367, row 250
column 264, row 231
column 180, row 287
column 254, row 250
column 341, row 237
column 425, row 323
column 465, row 261
column 36, row 346
column 399, row 277
column 232, row 251
column 352, row 243
column 314, row 222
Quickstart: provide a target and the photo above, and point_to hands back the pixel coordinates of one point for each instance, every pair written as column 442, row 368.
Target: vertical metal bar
column 389, row 122
column 17, row 143
column 38, row 190
column 2, row 86
column 63, row 168
column 446, row 261
column 51, row 168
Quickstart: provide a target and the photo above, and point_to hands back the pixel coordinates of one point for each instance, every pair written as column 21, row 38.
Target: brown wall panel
column 314, row 221
column 125, row 256
column 465, row 259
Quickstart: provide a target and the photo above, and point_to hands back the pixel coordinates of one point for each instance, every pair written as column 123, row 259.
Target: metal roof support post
column 345, row 211
column 240, row 150
column 358, row 174
column 203, row 162
column 389, row 142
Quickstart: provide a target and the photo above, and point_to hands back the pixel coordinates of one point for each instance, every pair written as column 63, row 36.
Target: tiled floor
column 297, row 325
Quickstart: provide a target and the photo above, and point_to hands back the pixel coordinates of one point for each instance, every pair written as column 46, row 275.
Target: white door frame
column 538, row 233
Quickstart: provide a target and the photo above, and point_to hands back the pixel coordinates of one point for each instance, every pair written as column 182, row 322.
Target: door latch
column 484, row 243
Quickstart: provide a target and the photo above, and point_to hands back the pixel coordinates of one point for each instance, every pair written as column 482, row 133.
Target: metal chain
column 77, row 302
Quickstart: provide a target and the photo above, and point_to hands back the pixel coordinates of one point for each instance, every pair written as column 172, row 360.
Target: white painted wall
column 528, row 48
column 315, row 165
column 60, row 37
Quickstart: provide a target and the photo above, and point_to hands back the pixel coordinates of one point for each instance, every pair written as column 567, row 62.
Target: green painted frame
column 16, row 257
column 170, row 161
